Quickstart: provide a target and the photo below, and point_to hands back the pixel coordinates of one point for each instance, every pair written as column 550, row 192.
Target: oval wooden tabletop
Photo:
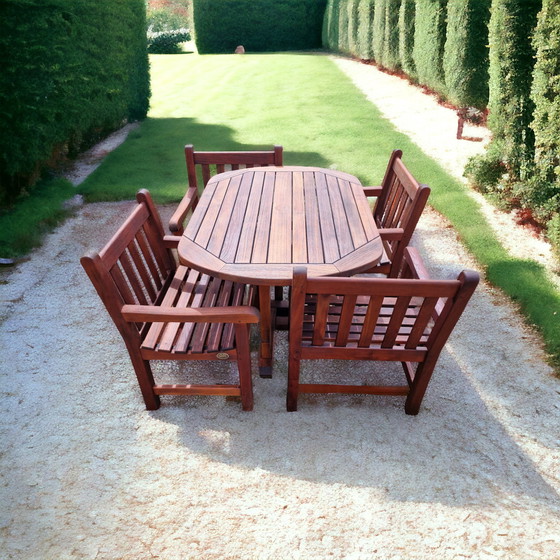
column 255, row 225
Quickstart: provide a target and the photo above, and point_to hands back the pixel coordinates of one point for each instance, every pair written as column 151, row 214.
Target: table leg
column 267, row 332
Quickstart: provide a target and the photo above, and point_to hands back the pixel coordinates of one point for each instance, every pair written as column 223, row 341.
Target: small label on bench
column 222, row 355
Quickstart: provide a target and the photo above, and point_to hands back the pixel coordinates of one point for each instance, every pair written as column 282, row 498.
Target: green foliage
column 161, row 19
column 263, row 26
column 331, row 28
column 486, row 170
column 407, row 18
column 511, row 27
column 429, row 43
column 379, row 29
column 64, row 83
column 390, row 54
column 546, row 93
column 364, row 49
column 22, row 227
column 465, row 60
column 553, row 233
column 167, row 42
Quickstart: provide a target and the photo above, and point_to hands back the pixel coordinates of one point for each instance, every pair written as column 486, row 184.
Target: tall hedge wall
column 429, row 43
column 465, row 60
column 545, row 93
column 266, row 25
column 71, row 71
column 512, row 58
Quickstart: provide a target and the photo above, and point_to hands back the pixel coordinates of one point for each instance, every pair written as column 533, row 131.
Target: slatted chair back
column 201, row 166
column 400, row 203
column 405, row 320
column 169, row 312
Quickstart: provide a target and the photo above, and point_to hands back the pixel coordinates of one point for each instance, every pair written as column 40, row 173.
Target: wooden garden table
column 254, row 225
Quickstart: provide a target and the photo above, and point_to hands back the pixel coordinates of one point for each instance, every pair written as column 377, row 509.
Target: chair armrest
column 373, row 191
column 158, row 314
column 187, row 203
column 391, row 234
column 416, row 264
column 171, row 241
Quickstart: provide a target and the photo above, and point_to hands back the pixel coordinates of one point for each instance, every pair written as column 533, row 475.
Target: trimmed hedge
column 512, row 58
column 546, row 120
column 407, row 18
column 71, row 72
column 429, row 43
column 365, row 29
column 263, row 26
column 465, row 60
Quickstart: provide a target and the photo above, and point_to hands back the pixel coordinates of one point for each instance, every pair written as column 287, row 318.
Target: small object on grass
column 240, row 49
column 7, row 262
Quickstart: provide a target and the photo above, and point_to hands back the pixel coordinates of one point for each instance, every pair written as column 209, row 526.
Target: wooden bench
column 405, row 320
column 169, row 312
column 399, row 205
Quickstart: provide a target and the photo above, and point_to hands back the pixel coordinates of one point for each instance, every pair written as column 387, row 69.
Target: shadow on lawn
column 153, row 158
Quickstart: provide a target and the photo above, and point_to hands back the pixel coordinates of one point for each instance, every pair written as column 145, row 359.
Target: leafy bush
column 429, row 43
column 161, row 19
column 263, row 26
column 167, row 42
column 465, row 60
column 71, row 72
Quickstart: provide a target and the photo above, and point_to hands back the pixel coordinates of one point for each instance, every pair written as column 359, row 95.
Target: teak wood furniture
column 405, row 320
column 400, row 203
column 254, row 225
column 208, row 164
column 169, row 312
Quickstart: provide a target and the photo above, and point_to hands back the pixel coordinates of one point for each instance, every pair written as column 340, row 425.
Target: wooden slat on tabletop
column 260, row 249
column 299, row 233
column 204, row 202
column 328, row 233
column 214, row 205
column 341, row 226
column 220, row 226
column 314, row 241
column 280, row 241
column 354, row 216
column 247, row 238
column 364, row 211
column 236, row 222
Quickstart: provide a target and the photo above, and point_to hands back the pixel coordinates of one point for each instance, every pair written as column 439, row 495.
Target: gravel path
column 87, row 473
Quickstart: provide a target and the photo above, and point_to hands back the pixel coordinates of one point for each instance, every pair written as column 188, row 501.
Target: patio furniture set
column 281, row 247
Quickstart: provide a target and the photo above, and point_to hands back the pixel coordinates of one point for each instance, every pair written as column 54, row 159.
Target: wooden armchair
column 400, row 203
column 169, row 312
column 405, row 320
column 211, row 163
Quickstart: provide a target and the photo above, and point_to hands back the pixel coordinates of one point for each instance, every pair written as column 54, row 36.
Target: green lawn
column 305, row 103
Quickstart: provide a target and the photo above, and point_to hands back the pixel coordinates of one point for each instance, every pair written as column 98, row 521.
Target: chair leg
column 418, row 387
column 146, row 381
column 244, row 365
column 294, row 366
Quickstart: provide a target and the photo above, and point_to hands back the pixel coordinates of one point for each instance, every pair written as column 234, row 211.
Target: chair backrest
column 211, row 163
column 400, row 205
column 406, row 319
column 134, row 267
